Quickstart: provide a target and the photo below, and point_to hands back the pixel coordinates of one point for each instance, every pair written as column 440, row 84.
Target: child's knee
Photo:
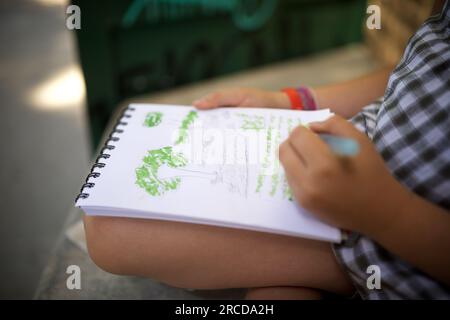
column 102, row 244
column 134, row 247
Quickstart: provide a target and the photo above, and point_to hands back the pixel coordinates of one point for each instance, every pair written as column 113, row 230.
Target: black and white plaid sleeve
column 411, row 130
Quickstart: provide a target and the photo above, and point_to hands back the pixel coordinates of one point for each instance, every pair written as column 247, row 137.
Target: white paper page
column 215, row 167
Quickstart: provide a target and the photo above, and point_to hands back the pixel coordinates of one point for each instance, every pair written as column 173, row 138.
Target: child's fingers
column 218, row 99
column 206, row 102
column 335, row 125
column 293, row 164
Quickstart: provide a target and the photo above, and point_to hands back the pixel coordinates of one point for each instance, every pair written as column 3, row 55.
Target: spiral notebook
column 218, row 167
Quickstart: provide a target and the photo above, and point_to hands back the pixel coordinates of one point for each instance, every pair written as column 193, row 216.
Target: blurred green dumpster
column 130, row 47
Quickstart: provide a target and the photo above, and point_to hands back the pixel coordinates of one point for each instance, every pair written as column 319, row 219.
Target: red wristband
column 294, row 98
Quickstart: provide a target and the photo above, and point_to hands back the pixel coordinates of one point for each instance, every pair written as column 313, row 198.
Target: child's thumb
column 218, row 99
column 335, row 125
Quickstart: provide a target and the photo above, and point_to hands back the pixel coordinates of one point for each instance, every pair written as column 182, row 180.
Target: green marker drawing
column 184, row 128
column 153, row 119
column 275, row 176
column 251, row 122
column 266, row 160
column 147, row 174
column 289, row 125
column 287, row 192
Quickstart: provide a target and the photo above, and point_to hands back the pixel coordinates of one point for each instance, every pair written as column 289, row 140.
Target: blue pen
column 341, row 146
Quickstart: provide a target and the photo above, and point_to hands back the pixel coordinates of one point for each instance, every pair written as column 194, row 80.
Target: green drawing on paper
column 275, row 180
column 276, row 175
column 265, row 164
column 259, row 183
column 266, row 160
column 251, row 122
column 270, row 177
column 184, row 127
column 289, row 125
column 278, row 184
column 152, row 119
column 287, row 192
column 147, row 174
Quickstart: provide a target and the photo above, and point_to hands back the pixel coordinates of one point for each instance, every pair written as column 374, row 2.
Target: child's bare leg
column 283, row 293
column 205, row 257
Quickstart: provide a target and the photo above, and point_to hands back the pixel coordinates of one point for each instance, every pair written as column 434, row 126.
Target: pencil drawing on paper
column 271, row 180
column 147, row 174
column 164, row 169
column 252, row 122
column 184, row 127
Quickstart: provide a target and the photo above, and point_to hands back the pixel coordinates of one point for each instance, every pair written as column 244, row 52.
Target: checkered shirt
column 410, row 127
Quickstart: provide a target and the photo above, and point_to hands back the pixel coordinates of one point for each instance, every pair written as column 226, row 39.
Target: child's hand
column 243, row 97
column 353, row 193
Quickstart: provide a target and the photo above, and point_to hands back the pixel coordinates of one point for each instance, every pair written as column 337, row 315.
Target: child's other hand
column 354, row 193
column 243, row 97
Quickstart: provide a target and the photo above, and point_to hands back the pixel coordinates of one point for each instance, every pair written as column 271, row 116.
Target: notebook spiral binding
column 107, row 146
